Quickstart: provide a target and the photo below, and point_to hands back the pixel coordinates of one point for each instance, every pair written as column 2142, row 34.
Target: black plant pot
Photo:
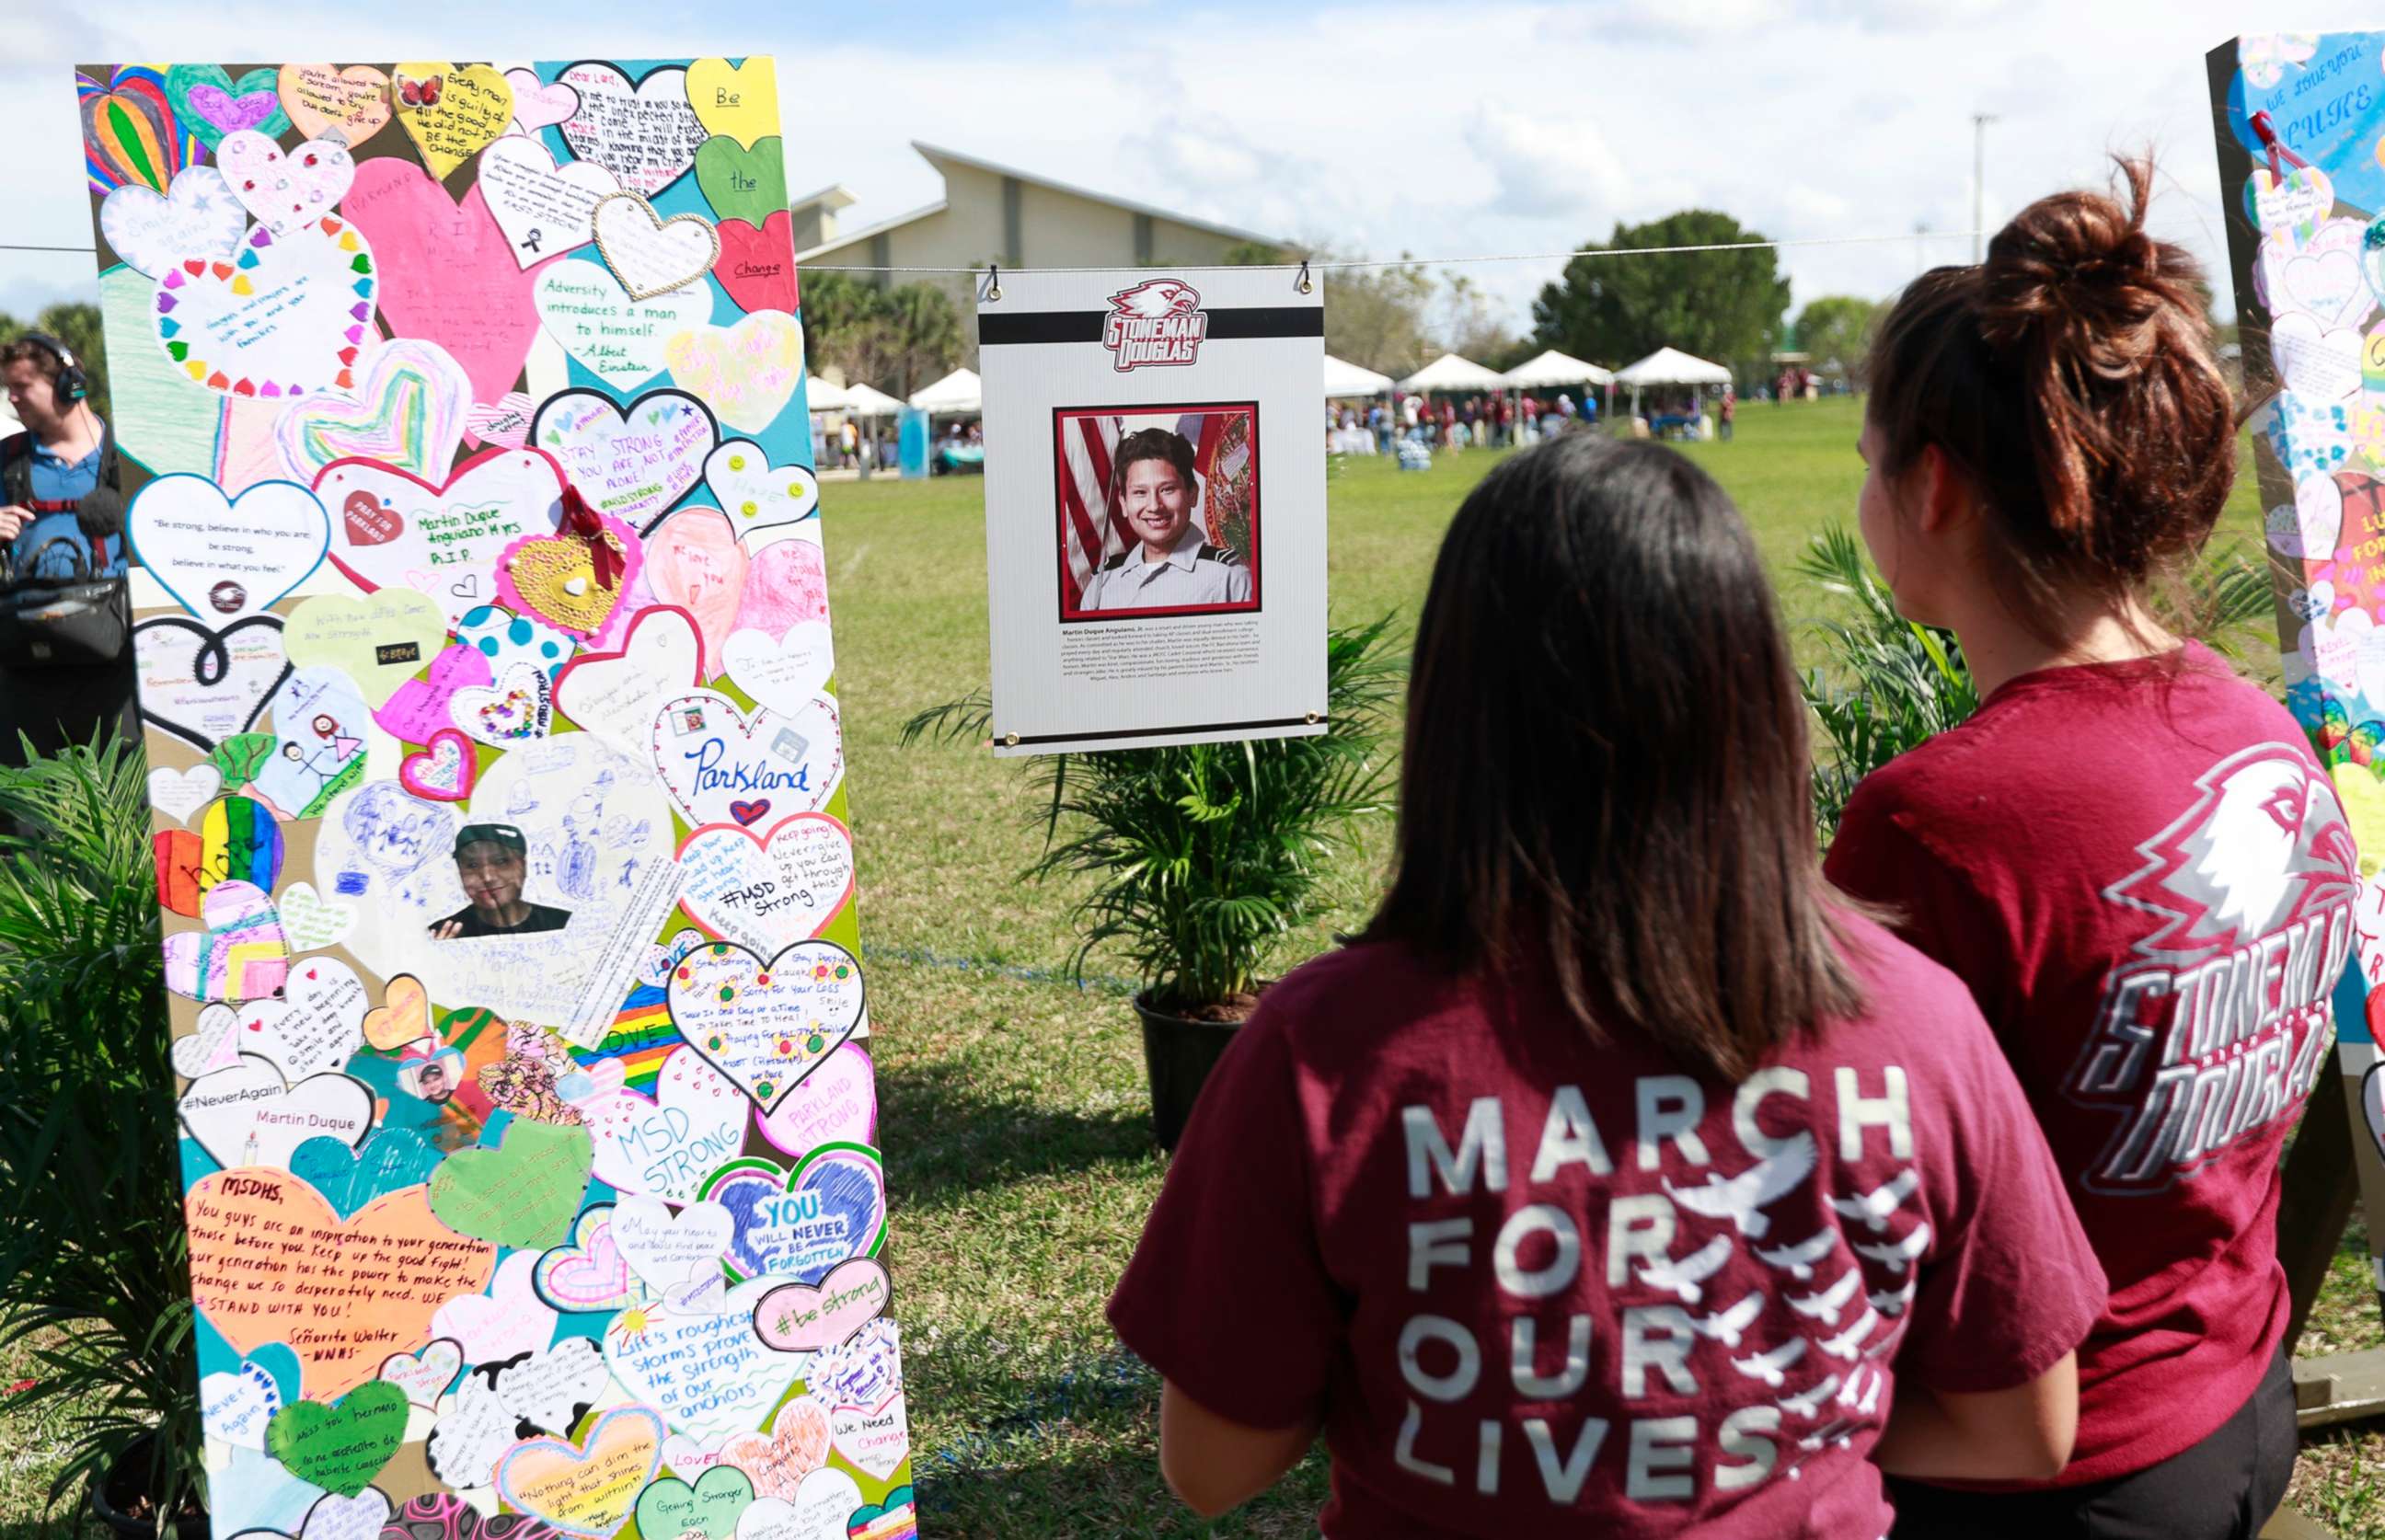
column 120, row 1486
column 1179, row 1053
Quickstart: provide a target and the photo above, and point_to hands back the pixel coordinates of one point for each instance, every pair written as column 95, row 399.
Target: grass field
column 1016, row 1120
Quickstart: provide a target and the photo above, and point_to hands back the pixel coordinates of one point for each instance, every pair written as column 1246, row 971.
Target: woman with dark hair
column 1620, row 1179
column 2128, row 855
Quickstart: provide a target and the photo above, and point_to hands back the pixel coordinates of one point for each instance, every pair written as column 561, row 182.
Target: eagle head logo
column 1156, row 298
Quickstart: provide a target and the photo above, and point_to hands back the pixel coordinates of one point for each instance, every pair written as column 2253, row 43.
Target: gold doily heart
column 554, row 575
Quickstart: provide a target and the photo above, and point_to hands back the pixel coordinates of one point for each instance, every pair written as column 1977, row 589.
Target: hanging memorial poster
column 1155, row 507
column 529, row 1118
column 2302, row 128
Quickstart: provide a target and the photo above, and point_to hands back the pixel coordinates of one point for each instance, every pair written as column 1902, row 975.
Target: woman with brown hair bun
column 1621, row 1180
column 2128, row 855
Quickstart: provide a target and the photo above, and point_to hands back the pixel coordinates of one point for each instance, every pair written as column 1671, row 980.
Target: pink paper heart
column 538, row 106
column 285, row 190
column 801, row 1318
column 449, row 273
column 590, row 1274
column 504, row 424
column 445, row 772
column 417, row 709
column 778, row 1461
column 242, row 954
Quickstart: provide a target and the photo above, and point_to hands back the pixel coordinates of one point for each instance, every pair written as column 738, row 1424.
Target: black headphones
column 69, row 383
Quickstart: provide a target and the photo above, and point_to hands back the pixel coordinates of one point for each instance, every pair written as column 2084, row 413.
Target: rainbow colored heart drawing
column 288, row 316
column 407, row 412
column 241, row 954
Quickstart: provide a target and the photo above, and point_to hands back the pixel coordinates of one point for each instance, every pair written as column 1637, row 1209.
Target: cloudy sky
column 1432, row 129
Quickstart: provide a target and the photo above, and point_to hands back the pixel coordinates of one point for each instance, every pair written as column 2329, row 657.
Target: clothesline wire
column 1316, row 265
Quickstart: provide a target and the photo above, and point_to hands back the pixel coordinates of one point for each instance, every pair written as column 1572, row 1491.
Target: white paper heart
column 646, row 134
column 311, row 921
column 877, row 1440
column 2328, row 287
column 235, row 1407
column 387, row 524
column 667, row 1144
column 766, row 891
column 552, row 1388
column 222, row 558
column 509, row 1319
column 334, row 1516
column 518, row 709
column 722, row 767
column 2287, row 209
column 634, row 462
column 179, row 793
column 196, row 217
column 210, row 1047
column 426, row 1373
column 2312, row 601
column 2315, row 521
column 285, row 318
column 285, row 190
column 702, row 1293
column 2313, row 361
column 649, row 254
column 203, row 685
column 753, row 494
column 617, row 693
column 618, row 340
column 543, row 209
column 823, row 1502
column 247, row 1116
column 319, row 1023
column 665, row 1248
column 655, row 1365
column 766, row 1022
column 786, row 674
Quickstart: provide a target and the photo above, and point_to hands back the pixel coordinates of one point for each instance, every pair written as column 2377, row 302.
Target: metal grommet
column 994, row 280
column 1010, row 740
column 1305, row 283
column 1313, row 718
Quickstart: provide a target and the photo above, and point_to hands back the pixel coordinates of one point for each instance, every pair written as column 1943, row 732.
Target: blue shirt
column 55, row 479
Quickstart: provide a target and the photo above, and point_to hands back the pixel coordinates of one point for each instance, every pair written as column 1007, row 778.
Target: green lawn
column 1016, row 1122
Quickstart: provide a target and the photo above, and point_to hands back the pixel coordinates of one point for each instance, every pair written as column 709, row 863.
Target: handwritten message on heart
column 757, row 263
column 341, row 1446
column 317, row 1025
column 632, row 462
column 782, row 671
column 753, row 494
column 450, row 273
column 2314, row 526
column 667, row 1144
column 286, row 316
column 544, row 209
column 712, row 757
column 179, row 793
column 507, row 1322
column 617, row 694
column 646, row 134
column 696, row 562
column 649, row 254
column 425, row 1374
column 304, row 1284
column 707, row 1510
column 741, row 183
column 553, row 577
column 877, row 1439
column 389, row 524
column 320, row 99
column 808, row 1317
column 765, row 891
column 419, row 708
column 585, row 1490
column 836, row 1103
column 708, row 1374
column 451, row 114
column 196, row 218
column 747, row 372
column 377, row 640
column 614, row 337
column 210, row 104
column 523, row 1193
column 2313, row 361
column 552, row 1388
column 223, row 559
column 248, row 1115
column 236, row 1406
column 538, row 106
column 765, row 1025
column 666, row 1248
column 205, row 685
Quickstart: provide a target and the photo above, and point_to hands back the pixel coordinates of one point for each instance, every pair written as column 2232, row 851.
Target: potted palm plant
column 1204, row 856
column 92, row 1241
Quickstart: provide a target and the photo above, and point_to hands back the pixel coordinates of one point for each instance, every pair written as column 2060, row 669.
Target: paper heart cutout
column 783, row 674
column 891, row 1520
column 175, row 525
column 805, row 1317
column 451, row 276
column 864, row 1369
column 337, row 1517
column 286, row 316
column 538, row 106
column 757, row 264
column 646, row 134
column 755, row 494
column 739, row 100
column 315, row 1026
column 507, row 1322
column 877, row 1439
column 196, row 217
column 2291, row 208
column 311, row 921
column 747, row 373
column 524, row 1192
column 205, row 685
column 631, row 462
column 211, row 1045
column 407, row 410
column 179, row 793
column 544, row 209
column 648, row 1356
column 446, row 771
column 767, row 1025
column 238, row 756
column 2323, row 280
column 321, row 101
column 455, row 530
column 746, row 815
column 553, row 1388
column 588, row 1489
column 504, row 638
column 617, row 693
column 2314, row 526
column 662, row 1247
column 836, row 1103
column 553, row 578
column 617, row 339
column 767, row 891
column 695, row 563
column 518, row 709
column 710, row 756
column 343, row 1446
column 444, row 1516
column 451, row 114
column 377, row 641
column 248, row 1115
column 349, row 1178
column 128, row 132
column 741, row 183
column 801, row 1225
column 242, row 953
column 2314, row 602
column 822, row 1503
column 588, row 1273
column 403, row 1016
column 649, row 254
column 706, row 1511
column 786, row 587
column 425, row 1373
column 419, row 708
column 235, row 1407
column 701, row 1125
column 779, row 1461
column 504, row 424
column 209, row 103
column 285, row 190
column 2314, row 361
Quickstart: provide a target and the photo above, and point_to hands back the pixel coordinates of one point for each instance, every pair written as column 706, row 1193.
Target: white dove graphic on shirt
column 1683, row 1277
column 1836, row 1433
column 1767, row 1367
column 1873, row 1208
column 1738, row 1199
column 1825, row 1304
column 1724, row 1326
column 1798, row 1261
column 1808, row 1404
column 1892, row 1302
column 1848, row 1343
column 1862, row 1404
column 1896, row 1256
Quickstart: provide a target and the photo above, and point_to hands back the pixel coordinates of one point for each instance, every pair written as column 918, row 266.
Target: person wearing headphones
column 61, row 519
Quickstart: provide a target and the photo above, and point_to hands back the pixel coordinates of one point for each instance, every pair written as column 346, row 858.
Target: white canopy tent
column 1669, row 367
column 1345, row 379
column 821, row 396
column 866, row 401
column 1554, row 368
column 960, row 393
column 1450, row 372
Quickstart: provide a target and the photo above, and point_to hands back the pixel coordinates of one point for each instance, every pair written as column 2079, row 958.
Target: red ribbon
column 581, row 520
column 2266, row 133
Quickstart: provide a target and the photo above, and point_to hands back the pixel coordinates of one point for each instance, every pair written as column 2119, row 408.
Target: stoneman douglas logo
column 1160, row 321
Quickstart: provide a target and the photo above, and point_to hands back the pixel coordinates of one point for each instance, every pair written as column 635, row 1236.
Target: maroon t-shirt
column 1520, row 1274
column 2147, row 882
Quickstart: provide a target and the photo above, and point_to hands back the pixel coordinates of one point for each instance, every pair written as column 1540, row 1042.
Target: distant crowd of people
column 1452, row 422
